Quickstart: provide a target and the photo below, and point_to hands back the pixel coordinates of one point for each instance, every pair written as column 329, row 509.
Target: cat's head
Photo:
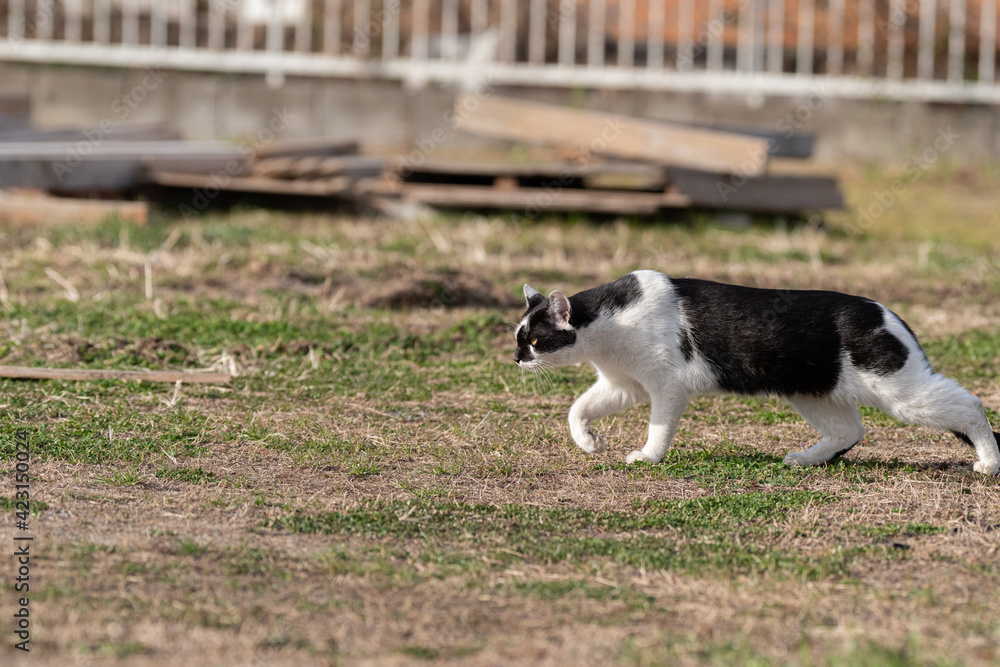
column 545, row 336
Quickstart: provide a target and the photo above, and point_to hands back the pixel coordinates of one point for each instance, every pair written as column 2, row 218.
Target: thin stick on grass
column 29, row 373
column 71, row 293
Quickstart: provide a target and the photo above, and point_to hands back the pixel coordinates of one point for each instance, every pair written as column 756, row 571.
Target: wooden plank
column 123, row 132
column 308, row 148
column 767, row 194
column 29, row 373
column 71, row 152
column 322, row 188
column 533, row 199
column 609, row 134
column 318, row 166
column 797, row 145
column 554, row 170
column 18, row 208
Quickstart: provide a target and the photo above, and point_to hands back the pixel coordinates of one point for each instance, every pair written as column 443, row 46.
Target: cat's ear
column 560, row 310
column 532, row 296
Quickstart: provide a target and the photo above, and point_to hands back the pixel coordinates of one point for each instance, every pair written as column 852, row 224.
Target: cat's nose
column 518, row 355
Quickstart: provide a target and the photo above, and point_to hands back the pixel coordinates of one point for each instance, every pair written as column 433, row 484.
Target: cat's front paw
column 636, row 456
column 990, row 469
column 591, row 443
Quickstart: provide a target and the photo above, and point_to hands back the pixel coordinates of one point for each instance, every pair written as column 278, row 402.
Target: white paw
column 591, row 443
column 990, row 469
column 796, row 459
column 636, row 456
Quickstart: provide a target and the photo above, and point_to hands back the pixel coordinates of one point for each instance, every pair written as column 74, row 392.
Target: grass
column 378, row 482
column 721, row 534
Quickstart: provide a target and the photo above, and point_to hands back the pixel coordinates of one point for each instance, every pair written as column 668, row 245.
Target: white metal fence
column 912, row 49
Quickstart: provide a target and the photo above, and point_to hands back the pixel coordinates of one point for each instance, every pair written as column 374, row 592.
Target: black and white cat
column 660, row 339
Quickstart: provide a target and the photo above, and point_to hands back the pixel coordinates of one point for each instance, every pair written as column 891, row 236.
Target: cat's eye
column 534, row 342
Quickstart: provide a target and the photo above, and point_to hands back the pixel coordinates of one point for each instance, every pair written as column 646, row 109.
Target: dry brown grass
column 135, row 567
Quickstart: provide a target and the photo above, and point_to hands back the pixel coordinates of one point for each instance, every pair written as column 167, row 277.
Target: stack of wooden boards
column 615, row 164
column 593, row 162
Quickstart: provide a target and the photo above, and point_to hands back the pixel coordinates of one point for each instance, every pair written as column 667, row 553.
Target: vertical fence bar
column 716, row 29
column 925, row 45
column 303, row 29
column 987, row 41
column 536, row 32
column 760, row 34
column 187, row 17
column 626, row 33
column 654, row 35
column 421, row 29
column 275, row 38
column 15, row 20
column 508, row 30
column 73, row 11
column 45, row 18
column 130, row 23
column 216, row 26
column 776, row 36
column 157, row 24
column 595, row 37
column 244, row 30
column 479, row 16
column 567, row 33
column 361, row 39
column 685, row 36
column 804, row 50
column 956, row 41
column 835, row 39
column 390, row 32
column 102, row 22
column 746, row 33
column 449, row 29
column 331, row 27
column 894, row 56
column 866, row 37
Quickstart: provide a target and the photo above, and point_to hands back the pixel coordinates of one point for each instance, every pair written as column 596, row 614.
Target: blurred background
column 383, row 72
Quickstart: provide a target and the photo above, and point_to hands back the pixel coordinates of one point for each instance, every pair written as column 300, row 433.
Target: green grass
column 426, row 405
column 190, row 475
column 9, row 504
column 724, row 533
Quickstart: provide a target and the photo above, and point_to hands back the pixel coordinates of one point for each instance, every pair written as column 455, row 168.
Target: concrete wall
column 387, row 114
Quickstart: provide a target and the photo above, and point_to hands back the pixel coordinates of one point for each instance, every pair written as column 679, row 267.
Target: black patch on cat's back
column 760, row 341
column 608, row 299
column 869, row 344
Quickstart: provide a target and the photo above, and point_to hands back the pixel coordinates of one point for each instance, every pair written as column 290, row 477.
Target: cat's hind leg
column 838, row 422
column 939, row 402
column 602, row 399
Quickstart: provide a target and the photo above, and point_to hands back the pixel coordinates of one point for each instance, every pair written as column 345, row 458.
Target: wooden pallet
column 601, row 186
column 591, row 132
column 763, row 194
column 533, row 201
